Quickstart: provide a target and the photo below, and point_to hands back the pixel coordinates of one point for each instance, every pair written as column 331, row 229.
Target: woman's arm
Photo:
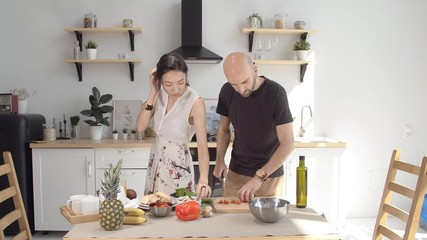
column 144, row 117
column 198, row 113
column 222, row 142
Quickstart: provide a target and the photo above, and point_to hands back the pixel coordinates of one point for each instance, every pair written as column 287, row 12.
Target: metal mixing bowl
column 269, row 209
column 160, row 211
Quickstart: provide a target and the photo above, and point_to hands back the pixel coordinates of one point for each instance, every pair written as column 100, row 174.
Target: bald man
column 258, row 109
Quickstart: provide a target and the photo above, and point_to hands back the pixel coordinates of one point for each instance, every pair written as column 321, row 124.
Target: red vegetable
column 187, row 211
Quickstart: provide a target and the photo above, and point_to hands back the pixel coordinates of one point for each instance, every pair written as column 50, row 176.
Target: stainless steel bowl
column 269, row 209
column 160, row 211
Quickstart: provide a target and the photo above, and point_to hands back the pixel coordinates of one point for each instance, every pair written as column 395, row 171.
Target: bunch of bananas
column 134, row 216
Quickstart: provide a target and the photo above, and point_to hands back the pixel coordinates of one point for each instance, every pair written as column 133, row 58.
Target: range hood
column 191, row 35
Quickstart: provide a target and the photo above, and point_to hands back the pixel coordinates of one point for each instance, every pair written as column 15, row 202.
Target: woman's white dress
column 170, row 164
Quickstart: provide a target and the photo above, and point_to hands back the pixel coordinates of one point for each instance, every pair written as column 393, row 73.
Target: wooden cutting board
column 243, row 207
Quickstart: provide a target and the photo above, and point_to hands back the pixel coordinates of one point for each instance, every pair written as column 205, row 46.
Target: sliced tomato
column 221, row 201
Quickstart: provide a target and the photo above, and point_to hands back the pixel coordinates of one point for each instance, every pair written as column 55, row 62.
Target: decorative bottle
column 301, row 183
column 76, row 50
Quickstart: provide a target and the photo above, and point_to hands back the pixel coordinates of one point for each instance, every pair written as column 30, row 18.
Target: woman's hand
column 203, row 190
column 153, row 80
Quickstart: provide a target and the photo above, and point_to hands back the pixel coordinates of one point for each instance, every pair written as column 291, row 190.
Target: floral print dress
column 170, row 164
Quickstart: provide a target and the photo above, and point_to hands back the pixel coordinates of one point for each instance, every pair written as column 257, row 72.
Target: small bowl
column 269, row 209
column 160, row 211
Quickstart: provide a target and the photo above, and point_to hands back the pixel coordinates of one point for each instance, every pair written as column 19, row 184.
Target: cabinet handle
column 89, row 170
column 126, row 151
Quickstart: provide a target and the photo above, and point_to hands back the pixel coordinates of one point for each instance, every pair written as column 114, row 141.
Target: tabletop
column 299, row 223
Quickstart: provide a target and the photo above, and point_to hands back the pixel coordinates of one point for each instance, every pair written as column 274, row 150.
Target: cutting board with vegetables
column 229, row 205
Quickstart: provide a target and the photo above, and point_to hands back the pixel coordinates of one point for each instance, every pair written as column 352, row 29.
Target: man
column 258, row 109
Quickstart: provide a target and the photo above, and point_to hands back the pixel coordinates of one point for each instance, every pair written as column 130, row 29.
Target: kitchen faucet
column 301, row 129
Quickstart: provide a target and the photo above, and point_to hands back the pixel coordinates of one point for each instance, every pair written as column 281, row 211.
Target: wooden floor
column 356, row 228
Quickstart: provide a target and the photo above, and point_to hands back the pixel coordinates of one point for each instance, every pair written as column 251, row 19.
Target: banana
column 134, row 212
column 134, row 220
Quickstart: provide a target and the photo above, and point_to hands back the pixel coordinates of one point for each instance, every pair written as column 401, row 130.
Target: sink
column 315, row 139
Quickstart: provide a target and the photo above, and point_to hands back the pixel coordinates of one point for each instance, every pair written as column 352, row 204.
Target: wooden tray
column 77, row 218
column 230, row 207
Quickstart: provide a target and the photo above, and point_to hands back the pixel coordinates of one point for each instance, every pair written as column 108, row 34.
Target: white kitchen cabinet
column 58, row 174
column 323, row 180
column 135, row 162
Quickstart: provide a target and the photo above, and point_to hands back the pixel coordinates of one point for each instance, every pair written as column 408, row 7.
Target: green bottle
column 301, row 183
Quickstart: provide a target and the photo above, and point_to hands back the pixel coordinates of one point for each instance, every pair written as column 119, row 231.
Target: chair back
column 13, row 191
column 392, row 187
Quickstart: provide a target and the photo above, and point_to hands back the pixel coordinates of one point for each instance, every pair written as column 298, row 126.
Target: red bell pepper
column 187, row 211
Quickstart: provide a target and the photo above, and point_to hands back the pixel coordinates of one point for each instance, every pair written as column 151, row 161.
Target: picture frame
column 125, row 114
column 212, row 118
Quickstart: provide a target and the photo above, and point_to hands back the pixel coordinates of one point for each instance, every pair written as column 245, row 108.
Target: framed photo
column 212, row 118
column 125, row 114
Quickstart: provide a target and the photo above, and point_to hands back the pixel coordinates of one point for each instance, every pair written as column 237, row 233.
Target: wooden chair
column 14, row 192
column 416, row 196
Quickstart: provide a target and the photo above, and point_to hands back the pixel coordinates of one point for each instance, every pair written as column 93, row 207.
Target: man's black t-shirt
column 254, row 119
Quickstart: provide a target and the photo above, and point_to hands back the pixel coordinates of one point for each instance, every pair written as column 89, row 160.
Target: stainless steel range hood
column 191, row 35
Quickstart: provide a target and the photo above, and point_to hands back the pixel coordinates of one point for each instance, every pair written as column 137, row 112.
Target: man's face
column 244, row 84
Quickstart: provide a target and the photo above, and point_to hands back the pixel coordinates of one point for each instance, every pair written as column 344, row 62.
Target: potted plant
column 133, row 134
column 125, row 133
column 91, row 49
column 23, row 95
column 74, row 128
column 301, row 48
column 97, row 111
column 255, row 21
column 115, row 134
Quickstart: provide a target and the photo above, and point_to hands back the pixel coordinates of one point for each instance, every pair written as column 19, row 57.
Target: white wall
column 367, row 84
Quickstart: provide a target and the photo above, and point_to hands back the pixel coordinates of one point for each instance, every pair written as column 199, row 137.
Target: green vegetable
column 206, row 201
column 181, row 192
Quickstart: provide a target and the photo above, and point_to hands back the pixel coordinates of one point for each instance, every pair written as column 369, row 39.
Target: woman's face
column 174, row 83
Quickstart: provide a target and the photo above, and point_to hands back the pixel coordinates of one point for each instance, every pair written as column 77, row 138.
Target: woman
column 177, row 112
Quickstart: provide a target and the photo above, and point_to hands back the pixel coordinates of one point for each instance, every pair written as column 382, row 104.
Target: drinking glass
column 276, row 48
column 267, row 48
column 258, row 50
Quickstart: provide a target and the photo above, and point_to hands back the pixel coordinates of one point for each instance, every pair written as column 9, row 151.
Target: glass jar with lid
column 280, row 20
column 90, row 20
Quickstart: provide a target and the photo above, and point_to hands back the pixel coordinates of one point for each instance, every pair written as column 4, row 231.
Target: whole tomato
column 187, row 211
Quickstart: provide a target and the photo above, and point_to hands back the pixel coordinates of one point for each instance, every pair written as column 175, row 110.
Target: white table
column 298, row 224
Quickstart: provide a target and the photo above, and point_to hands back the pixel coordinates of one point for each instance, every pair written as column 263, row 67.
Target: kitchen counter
column 299, row 223
column 146, row 143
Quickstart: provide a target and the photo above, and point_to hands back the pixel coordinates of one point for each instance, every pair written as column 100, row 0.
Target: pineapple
column 111, row 212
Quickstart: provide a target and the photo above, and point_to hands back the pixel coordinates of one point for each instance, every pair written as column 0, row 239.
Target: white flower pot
column 95, row 132
column 22, row 106
column 91, row 53
column 115, row 136
column 125, row 136
column 302, row 55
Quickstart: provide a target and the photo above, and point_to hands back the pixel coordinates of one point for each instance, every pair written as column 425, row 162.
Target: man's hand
column 248, row 190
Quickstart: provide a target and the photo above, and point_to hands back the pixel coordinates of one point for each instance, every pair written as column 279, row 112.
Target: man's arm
column 222, row 142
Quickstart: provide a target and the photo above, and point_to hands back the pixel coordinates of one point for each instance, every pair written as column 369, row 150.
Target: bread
column 152, row 198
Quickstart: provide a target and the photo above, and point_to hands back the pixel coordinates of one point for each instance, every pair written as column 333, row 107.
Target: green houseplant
column 91, row 49
column 255, row 21
column 97, row 110
column 301, row 48
column 125, row 133
column 115, row 134
column 74, row 129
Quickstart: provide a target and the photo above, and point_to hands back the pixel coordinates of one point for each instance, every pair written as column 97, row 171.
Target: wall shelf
column 79, row 33
column 79, row 63
column 301, row 32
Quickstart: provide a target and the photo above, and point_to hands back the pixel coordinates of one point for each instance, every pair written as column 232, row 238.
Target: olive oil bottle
column 301, row 183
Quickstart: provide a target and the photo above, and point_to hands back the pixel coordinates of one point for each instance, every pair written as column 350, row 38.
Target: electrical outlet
column 407, row 132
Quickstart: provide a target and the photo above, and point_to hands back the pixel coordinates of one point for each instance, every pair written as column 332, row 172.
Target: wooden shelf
column 104, row 30
column 103, row 60
column 281, row 62
column 279, row 31
column 79, row 33
column 303, row 36
column 79, row 62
